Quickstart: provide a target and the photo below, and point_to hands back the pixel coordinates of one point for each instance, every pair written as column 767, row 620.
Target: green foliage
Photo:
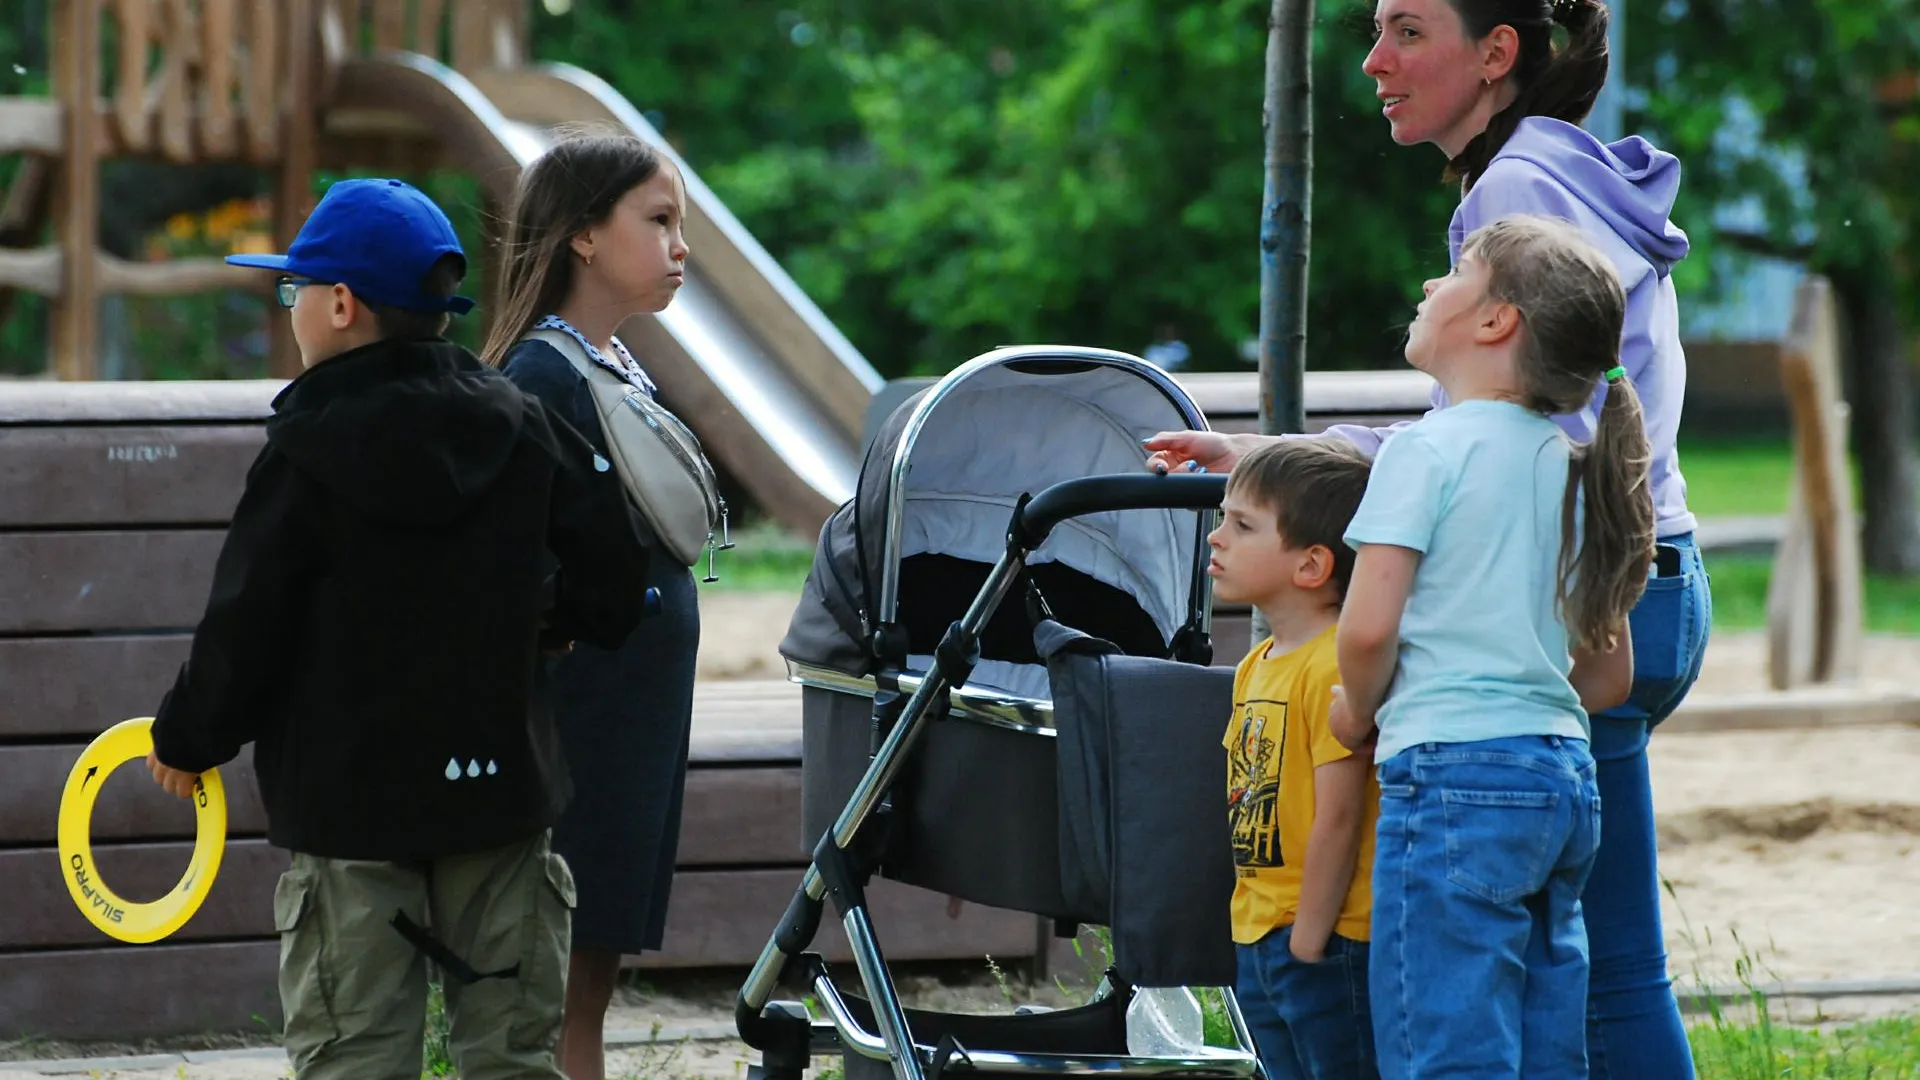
column 946, row 177
column 1829, row 135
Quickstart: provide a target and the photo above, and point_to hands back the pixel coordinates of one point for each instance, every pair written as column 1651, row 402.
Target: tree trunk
column 1286, row 216
column 1882, row 419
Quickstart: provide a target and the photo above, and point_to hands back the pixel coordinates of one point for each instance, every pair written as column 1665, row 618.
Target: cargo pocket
column 306, row 981
column 548, row 934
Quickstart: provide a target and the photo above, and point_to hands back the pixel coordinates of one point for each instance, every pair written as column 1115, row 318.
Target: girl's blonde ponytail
column 1603, row 575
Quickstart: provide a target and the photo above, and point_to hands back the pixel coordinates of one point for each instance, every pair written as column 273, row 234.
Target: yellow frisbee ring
column 132, row 740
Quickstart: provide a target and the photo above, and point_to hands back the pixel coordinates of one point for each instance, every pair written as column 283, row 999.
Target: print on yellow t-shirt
column 1253, row 785
column 1277, row 737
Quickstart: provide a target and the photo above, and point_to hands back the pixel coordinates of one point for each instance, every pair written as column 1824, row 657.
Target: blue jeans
column 1309, row 1021
column 1479, row 949
column 1633, row 1024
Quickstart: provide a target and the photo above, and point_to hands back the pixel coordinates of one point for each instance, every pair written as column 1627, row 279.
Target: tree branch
column 1754, row 243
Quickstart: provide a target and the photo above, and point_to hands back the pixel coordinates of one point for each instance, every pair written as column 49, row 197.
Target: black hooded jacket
column 412, row 532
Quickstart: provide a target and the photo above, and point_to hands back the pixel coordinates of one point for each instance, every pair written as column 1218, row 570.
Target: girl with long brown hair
column 592, row 239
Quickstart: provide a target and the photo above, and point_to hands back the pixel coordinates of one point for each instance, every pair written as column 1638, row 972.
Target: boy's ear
column 1498, row 322
column 344, row 307
column 1315, row 569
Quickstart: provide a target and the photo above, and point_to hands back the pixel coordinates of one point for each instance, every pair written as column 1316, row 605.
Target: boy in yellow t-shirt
column 1302, row 808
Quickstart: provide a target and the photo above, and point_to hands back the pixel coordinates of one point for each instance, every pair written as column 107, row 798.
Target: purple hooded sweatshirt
column 1620, row 195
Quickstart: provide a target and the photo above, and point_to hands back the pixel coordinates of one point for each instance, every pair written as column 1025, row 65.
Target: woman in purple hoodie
column 1482, row 80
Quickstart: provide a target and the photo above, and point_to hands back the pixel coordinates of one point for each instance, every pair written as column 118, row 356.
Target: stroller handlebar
column 1034, row 519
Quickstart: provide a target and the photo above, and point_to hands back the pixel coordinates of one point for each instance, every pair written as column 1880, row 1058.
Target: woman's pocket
column 1500, row 844
column 1669, row 631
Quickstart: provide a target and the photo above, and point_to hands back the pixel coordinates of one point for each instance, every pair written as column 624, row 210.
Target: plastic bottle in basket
column 1164, row 1022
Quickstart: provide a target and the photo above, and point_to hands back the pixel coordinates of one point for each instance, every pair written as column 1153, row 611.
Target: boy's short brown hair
column 1313, row 487
column 442, row 279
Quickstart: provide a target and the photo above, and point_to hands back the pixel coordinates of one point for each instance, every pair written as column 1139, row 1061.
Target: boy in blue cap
column 414, row 535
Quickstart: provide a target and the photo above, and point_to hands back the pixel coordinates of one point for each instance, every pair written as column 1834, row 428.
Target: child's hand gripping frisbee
column 132, row 740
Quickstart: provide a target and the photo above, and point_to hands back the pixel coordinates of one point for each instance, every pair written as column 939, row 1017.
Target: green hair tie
column 1616, row 374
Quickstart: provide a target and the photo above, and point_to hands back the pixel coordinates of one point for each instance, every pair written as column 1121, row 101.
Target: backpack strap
column 567, row 346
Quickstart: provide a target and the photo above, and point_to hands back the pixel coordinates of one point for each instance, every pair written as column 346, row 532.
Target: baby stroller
column 1002, row 648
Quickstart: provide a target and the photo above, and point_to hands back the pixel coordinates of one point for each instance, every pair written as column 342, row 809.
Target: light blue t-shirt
column 1477, row 489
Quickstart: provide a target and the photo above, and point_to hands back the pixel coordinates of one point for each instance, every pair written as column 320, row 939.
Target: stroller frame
column 904, row 705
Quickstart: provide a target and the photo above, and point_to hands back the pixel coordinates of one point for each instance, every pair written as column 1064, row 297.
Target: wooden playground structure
column 207, row 81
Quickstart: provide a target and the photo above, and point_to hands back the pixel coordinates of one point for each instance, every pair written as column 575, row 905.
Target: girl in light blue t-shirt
column 1483, row 624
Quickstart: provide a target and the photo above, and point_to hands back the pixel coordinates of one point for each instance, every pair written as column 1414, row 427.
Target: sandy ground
column 1790, row 856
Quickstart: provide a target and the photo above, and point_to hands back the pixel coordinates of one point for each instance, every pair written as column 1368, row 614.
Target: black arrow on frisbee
column 89, row 778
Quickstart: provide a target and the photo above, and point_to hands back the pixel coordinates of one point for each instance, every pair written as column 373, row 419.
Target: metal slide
column 775, row 392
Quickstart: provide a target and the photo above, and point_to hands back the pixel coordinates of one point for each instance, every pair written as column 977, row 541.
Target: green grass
column 1727, row 478
column 1758, row 1049
column 1748, row 1037
column 1736, row 479
column 765, row 558
column 1739, row 584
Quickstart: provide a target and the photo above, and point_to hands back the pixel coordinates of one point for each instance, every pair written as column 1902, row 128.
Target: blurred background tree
column 1799, row 123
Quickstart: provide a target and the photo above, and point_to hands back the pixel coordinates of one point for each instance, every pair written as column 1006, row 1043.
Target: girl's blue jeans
column 1633, row 1023
column 1479, row 958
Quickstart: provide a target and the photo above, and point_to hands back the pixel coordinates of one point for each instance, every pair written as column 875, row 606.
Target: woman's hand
column 1214, row 451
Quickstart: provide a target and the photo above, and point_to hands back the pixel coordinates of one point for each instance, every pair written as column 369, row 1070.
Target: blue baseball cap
column 379, row 238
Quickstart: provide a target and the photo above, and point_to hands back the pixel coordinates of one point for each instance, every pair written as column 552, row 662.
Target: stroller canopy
column 949, row 465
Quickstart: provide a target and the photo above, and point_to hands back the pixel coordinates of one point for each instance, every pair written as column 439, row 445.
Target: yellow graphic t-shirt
column 1277, row 737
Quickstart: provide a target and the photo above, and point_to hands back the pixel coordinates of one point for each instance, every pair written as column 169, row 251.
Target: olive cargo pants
column 354, row 989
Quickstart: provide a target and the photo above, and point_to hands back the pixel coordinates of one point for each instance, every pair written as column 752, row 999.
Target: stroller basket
column 936, row 752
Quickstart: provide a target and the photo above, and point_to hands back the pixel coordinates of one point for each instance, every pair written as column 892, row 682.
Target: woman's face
column 639, row 250
column 1434, row 83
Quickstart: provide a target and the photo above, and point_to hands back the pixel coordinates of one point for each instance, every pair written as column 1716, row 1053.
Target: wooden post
column 299, row 145
column 1814, row 598
column 219, row 134
column 428, row 16
column 472, row 38
column 389, row 25
column 76, row 81
column 133, row 20
column 181, row 58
